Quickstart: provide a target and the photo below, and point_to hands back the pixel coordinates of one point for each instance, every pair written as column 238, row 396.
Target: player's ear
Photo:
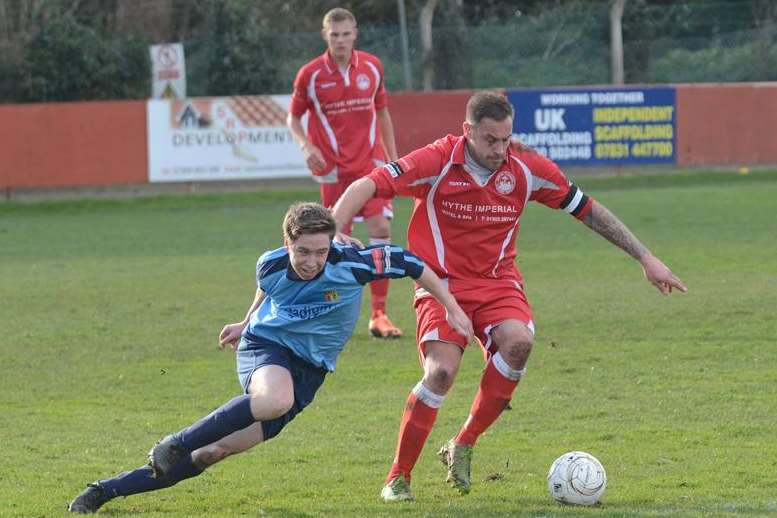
column 466, row 128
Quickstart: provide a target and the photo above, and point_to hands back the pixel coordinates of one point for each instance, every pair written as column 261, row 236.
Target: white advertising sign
column 168, row 71
column 221, row 138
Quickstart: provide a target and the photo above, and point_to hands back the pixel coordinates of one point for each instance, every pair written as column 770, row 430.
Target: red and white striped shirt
column 342, row 120
column 463, row 230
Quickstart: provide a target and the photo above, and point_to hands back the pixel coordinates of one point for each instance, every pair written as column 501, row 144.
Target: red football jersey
column 465, row 231
column 341, row 108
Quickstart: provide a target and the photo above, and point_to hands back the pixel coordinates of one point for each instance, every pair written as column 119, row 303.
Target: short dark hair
column 308, row 218
column 488, row 103
column 338, row 14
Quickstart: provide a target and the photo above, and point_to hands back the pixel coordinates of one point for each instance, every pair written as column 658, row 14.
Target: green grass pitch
column 109, row 312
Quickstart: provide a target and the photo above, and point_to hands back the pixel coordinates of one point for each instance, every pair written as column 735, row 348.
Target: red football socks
column 493, row 395
column 379, row 290
column 417, row 423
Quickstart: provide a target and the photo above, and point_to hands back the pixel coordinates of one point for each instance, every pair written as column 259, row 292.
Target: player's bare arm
column 386, row 127
column 230, row 334
column 352, row 200
column 313, row 157
column 607, row 225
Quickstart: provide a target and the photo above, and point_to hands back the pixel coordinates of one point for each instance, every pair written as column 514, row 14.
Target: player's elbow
column 290, row 120
column 364, row 188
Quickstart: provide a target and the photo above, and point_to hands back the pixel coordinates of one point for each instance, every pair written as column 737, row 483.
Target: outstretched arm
column 349, row 204
column 607, row 225
column 230, row 334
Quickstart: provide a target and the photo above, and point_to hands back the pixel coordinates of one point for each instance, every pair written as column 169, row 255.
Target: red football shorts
column 487, row 302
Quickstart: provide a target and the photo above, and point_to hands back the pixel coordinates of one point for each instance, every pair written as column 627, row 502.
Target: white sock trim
column 427, row 396
column 505, row 370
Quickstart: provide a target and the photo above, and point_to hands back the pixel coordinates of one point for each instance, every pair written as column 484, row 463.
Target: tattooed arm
column 604, row 223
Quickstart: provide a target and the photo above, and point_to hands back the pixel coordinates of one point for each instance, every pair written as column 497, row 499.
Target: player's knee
column 517, row 351
column 379, row 228
column 440, row 379
column 278, row 405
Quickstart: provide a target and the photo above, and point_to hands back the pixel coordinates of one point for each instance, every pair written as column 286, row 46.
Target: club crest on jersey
column 331, row 296
column 363, row 81
column 504, row 182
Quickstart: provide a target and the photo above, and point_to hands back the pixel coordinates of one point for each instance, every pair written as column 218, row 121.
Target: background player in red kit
column 349, row 133
column 470, row 192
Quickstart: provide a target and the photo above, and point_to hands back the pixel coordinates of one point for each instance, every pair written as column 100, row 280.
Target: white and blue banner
column 624, row 126
column 221, row 138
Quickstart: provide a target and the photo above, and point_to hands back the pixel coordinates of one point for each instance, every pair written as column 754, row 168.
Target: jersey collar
column 459, row 157
column 332, row 66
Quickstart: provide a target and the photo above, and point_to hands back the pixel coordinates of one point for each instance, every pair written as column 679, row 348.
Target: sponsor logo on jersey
column 363, row 81
column 328, row 85
column 394, row 169
column 331, row 296
column 456, row 183
column 504, row 182
column 306, row 312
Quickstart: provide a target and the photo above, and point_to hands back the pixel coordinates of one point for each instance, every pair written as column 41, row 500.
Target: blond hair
column 338, row 14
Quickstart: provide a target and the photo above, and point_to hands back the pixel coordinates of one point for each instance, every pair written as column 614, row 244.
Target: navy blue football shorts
column 254, row 353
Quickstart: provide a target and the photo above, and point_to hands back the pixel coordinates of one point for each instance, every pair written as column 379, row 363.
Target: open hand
column 660, row 276
column 459, row 321
column 345, row 239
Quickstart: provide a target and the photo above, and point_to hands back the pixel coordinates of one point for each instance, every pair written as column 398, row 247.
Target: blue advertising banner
column 626, row 126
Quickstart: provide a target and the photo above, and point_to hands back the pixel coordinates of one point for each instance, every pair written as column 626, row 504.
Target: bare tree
column 765, row 18
column 19, row 22
column 425, row 19
column 616, row 41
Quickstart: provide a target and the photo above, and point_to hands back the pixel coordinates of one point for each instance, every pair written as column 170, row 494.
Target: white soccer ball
column 577, row 478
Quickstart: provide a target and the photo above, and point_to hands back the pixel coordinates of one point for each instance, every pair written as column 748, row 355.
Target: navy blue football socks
column 226, row 419
column 142, row 479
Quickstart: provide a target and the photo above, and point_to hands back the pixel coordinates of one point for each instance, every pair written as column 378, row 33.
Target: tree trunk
column 425, row 26
column 616, row 41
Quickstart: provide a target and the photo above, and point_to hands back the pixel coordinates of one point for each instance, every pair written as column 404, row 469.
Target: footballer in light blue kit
column 306, row 306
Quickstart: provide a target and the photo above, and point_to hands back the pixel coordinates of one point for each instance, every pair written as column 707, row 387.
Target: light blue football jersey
column 316, row 318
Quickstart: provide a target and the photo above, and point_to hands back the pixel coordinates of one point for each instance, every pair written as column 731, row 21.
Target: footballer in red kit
column 458, row 207
column 470, row 192
column 349, row 132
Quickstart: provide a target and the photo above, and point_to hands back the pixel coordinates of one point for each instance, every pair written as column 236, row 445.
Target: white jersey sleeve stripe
column 421, row 181
column 575, row 202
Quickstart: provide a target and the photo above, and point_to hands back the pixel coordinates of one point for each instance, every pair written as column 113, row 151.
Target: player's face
column 340, row 38
column 308, row 254
column 488, row 141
